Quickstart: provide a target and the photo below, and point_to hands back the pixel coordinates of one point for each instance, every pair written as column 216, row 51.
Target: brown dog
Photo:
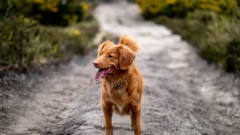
column 122, row 83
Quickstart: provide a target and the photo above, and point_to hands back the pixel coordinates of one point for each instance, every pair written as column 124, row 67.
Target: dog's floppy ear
column 129, row 42
column 103, row 45
column 126, row 57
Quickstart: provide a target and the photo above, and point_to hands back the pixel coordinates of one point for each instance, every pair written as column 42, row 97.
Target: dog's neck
column 117, row 75
column 118, row 78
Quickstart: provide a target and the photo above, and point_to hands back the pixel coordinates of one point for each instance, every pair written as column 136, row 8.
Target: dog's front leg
column 107, row 112
column 136, row 119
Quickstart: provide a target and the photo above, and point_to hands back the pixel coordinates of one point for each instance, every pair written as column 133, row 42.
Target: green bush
column 77, row 37
column 213, row 26
column 24, row 42
column 53, row 12
column 216, row 36
column 223, row 36
column 232, row 60
column 180, row 8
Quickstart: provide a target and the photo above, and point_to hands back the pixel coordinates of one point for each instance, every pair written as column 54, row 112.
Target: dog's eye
column 110, row 56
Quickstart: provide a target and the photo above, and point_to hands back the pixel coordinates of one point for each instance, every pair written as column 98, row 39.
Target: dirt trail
column 183, row 95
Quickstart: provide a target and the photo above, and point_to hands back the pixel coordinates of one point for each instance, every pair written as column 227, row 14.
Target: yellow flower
column 171, row 2
column 39, row 1
column 84, row 6
column 76, row 32
column 26, row 20
column 53, row 6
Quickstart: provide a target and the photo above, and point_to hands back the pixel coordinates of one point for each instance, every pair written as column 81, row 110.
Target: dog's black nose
column 95, row 64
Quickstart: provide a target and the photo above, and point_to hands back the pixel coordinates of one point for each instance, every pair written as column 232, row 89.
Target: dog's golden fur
column 122, row 89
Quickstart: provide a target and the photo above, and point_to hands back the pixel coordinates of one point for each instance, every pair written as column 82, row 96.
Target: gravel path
column 183, row 95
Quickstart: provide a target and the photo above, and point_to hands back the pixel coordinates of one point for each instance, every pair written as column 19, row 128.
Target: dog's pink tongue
column 99, row 75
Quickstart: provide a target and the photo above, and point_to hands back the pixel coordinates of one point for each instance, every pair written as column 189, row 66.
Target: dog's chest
column 117, row 89
column 117, row 93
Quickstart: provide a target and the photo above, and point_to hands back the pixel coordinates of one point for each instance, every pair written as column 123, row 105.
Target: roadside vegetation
column 213, row 26
column 39, row 31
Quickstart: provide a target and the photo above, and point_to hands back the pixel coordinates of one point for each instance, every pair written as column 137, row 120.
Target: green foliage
column 24, row 42
column 53, row 12
column 216, row 36
column 211, row 25
column 232, row 60
column 223, row 36
column 78, row 37
column 180, row 8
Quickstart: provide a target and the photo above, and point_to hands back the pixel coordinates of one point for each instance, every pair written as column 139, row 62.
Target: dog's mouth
column 103, row 73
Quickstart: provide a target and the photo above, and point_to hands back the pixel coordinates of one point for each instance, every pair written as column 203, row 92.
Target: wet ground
column 183, row 94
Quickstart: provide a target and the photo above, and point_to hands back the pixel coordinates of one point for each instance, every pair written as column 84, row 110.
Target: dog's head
column 113, row 57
